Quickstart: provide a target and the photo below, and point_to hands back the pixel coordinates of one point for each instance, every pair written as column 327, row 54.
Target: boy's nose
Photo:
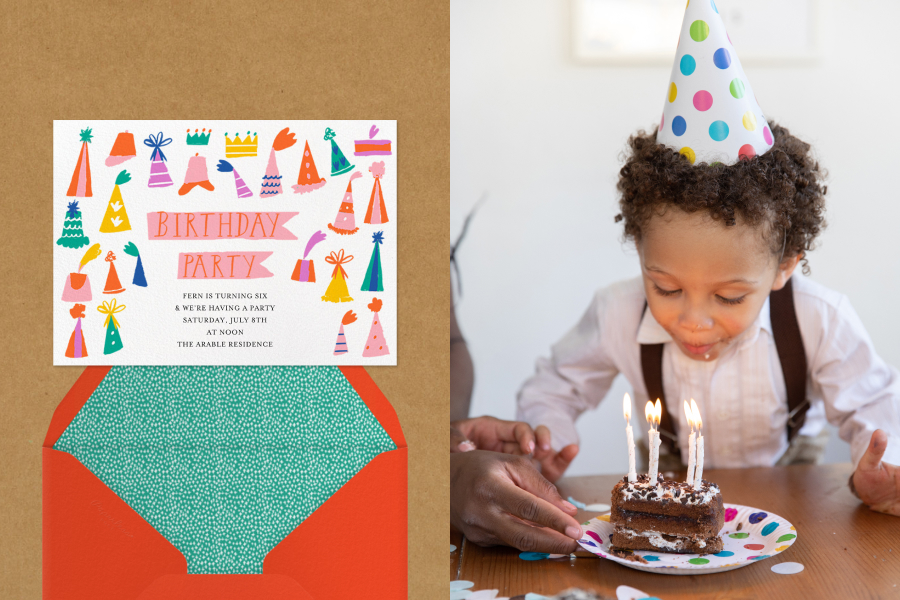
column 694, row 322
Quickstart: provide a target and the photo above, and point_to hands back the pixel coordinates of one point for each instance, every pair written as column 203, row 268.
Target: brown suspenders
column 788, row 343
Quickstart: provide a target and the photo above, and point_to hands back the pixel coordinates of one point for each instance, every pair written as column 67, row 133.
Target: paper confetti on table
column 787, row 568
column 624, row 592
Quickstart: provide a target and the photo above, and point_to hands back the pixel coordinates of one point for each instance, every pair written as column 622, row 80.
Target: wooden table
column 848, row 550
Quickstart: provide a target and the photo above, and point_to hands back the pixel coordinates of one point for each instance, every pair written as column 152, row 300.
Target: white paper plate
column 761, row 536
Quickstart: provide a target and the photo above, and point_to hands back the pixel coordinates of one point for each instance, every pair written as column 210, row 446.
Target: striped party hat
column 345, row 221
column 710, row 112
column 271, row 185
column 340, row 346
column 159, row 173
column 242, row 190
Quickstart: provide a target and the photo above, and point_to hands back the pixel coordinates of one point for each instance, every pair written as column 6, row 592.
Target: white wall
column 541, row 136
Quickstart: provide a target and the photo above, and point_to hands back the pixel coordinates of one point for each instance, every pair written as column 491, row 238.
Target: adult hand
column 877, row 483
column 553, row 464
column 488, row 433
column 501, row 499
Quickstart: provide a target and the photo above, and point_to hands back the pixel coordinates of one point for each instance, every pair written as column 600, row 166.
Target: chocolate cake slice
column 667, row 516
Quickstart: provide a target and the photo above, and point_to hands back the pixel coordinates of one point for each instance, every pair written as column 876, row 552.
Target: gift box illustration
column 78, row 286
column 223, row 482
column 305, row 270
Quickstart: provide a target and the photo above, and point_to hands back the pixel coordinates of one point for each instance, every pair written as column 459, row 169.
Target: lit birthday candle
column 653, row 415
column 698, row 473
column 692, row 447
column 626, row 408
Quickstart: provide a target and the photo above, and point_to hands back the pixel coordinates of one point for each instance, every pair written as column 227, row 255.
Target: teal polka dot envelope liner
column 164, row 482
column 749, row 535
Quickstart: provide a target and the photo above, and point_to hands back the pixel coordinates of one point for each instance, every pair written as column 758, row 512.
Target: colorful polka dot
column 730, row 514
column 721, row 58
column 724, row 553
column 782, row 548
column 662, row 121
column 673, row 92
column 785, row 537
column 739, row 536
column 757, row 517
column 754, row 546
column 699, row 561
column 749, row 121
column 767, row 135
column 699, row 31
column 746, row 152
column 718, row 130
column 703, row 100
column 769, row 528
column 604, row 518
column 679, row 125
column 651, row 558
column 713, row 3
column 758, row 557
column 594, row 535
column 736, row 88
column 687, row 64
column 533, row 555
column 689, row 154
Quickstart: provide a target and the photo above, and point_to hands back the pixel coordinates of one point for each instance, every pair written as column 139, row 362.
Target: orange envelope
column 97, row 547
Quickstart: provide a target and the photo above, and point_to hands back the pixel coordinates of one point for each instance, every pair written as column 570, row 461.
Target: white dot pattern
column 225, row 461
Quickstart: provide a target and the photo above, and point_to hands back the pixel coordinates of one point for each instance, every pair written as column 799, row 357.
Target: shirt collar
column 651, row 332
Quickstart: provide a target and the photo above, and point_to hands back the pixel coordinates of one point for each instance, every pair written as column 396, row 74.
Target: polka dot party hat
column 710, row 113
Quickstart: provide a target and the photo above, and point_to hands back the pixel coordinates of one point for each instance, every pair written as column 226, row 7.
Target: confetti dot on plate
column 679, row 125
column 673, row 92
column 687, row 64
column 782, row 548
column 718, row 130
column 758, row 557
column 767, row 135
column 699, row 31
column 721, row 58
column 594, row 535
column 651, row 558
column 703, row 100
column 746, row 152
column 604, row 518
column 724, row 554
column 533, row 555
column 730, row 514
column 754, row 546
column 749, row 121
column 769, row 528
column 662, row 121
column 785, row 537
column 787, row 568
column 739, row 536
column 698, row 561
column 713, row 2
column 757, row 517
column 688, row 154
column 736, row 88
column 460, row 584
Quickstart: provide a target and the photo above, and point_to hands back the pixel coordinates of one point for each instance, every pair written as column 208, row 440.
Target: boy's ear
column 785, row 270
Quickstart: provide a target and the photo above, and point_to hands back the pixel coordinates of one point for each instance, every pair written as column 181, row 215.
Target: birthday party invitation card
column 224, row 242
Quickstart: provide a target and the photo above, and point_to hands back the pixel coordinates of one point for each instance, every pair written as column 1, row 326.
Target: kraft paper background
column 223, row 60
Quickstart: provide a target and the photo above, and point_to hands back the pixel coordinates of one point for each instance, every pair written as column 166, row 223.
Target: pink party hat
column 242, row 190
column 159, row 173
column 196, row 175
column 345, row 221
column 375, row 343
column 271, row 185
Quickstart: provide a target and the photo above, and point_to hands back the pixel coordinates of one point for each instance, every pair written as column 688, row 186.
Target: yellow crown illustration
column 237, row 147
column 198, row 139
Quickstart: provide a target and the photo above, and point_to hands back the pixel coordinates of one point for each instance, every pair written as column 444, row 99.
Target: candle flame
column 689, row 414
column 649, row 412
column 698, row 421
column 626, row 407
column 657, row 413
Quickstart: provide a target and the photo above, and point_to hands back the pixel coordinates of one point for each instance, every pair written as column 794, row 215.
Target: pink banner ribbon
column 223, row 265
column 162, row 225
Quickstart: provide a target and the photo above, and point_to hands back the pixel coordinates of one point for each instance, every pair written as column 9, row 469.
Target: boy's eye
column 730, row 301
column 663, row 292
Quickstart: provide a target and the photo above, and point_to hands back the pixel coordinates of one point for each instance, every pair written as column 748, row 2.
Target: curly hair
column 781, row 190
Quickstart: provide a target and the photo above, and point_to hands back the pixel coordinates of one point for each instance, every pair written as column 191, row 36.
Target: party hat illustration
column 242, row 190
column 271, row 185
column 337, row 290
column 159, row 173
column 374, row 281
column 308, row 179
column 73, row 233
column 113, row 341
column 112, row 278
column 375, row 343
column 116, row 219
column 122, row 150
column 139, row 279
column 78, row 286
column 77, row 348
column 81, row 177
column 196, row 175
column 710, row 113
column 345, row 221
column 376, row 213
column 340, row 346
column 339, row 164
column 304, row 270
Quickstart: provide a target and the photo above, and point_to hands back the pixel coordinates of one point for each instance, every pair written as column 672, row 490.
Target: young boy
column 722, row 209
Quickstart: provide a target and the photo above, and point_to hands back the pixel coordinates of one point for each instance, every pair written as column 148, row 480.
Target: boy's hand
column 501, row 499
column 488, row 433
column 553, row 464
column 877, row 483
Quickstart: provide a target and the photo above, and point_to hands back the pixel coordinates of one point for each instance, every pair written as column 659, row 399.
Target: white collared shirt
column 741, row 395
